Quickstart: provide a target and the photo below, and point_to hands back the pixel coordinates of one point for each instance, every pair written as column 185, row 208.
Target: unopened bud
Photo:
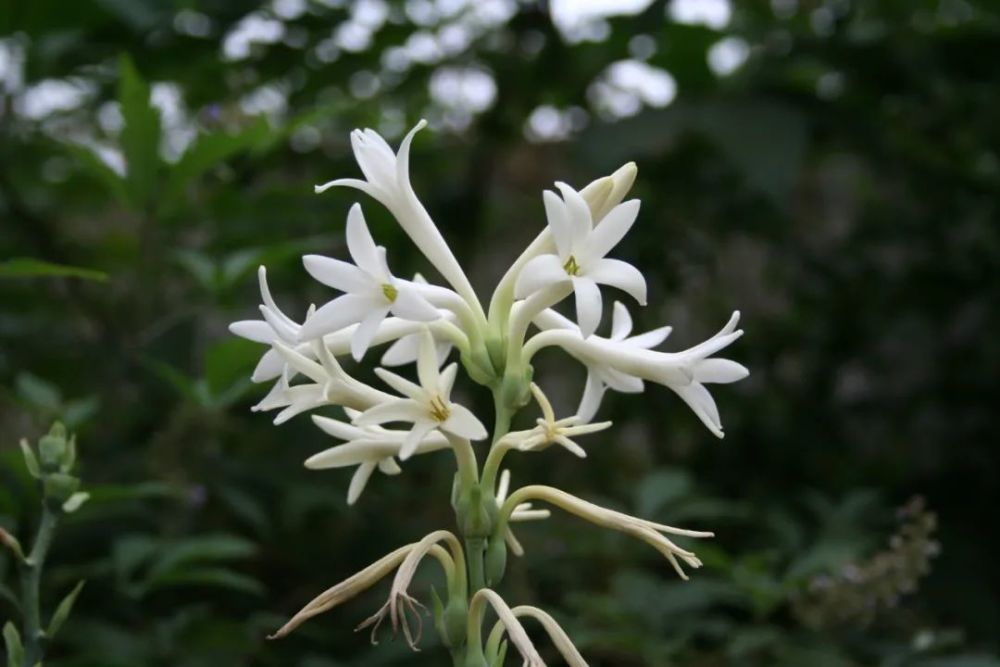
column 496, row 560
column 59, row 487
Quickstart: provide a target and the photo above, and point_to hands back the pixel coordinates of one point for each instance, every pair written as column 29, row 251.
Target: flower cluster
column 423, row 323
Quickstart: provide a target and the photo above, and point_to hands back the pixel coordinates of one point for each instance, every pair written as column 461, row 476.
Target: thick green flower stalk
column 425, row 324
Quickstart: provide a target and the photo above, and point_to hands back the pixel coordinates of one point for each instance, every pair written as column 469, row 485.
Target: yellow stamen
column 439, row 410
column 390, row 292
column 571, row 267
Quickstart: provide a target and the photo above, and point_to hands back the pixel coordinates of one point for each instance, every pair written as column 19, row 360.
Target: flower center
column 439, row 410
column 571, row 267
column 390, row 292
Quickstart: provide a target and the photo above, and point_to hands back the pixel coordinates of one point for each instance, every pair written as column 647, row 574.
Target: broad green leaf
column 63, row 610
column 15, row 649
column 29, row 267
column 140, row 136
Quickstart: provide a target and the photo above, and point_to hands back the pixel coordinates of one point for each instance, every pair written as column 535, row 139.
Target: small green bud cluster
column 52, row 462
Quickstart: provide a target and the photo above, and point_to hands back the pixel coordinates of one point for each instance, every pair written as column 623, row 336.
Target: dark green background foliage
column 840, row 189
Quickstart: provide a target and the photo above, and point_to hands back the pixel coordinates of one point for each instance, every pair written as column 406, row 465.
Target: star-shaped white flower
column 580, row 258
column 427, row 406
column 275, row 327
column 557, row 431
column 600, row 377
column 368, row 448
column 370, row 290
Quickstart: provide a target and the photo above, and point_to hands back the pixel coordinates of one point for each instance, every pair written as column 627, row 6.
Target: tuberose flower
column 427, row 406
column 558, row 431
column 387, row 179
column 368, row 448
column 580, row 255
column 275, row 327
column 370, row 290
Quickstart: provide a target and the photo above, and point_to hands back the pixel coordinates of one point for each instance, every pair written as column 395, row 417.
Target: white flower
column 550, row 430
column 427, row 406
column 405, row 350
column 274, row 328
column 387, row 179
column 370, row 290
column 368, row 448
column 580, row 255
column 684, row 372
column 330, row 385
column 601, row 377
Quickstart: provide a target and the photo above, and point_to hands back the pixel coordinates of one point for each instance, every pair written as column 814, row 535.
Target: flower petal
column 621, row 321
column 427, row 365
column 580, row 223
column 719, row 371
column 409, row 305
column 650, row 339
column 269, row 366
column 447, row 380
column 349, row 454
column 402, row 385
column 538, row 273
column 362, row 337
column 359, row 480
column 558, row 219
column 420, row 429
column 622, row 275
column 403, row 351
column 701, row 402
column 258, row 331
column 612, row 229
column 343, row 311
column 402, row 410
column 337, row 429
column 338, row 274
column 360, row 243
column 463, row 423
column 588, row 304
column 593, row 392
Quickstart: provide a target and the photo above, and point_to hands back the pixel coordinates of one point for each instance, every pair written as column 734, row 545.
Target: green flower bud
column 51, row 450
column 496, row 560
column 60, row 486
column 474, row 518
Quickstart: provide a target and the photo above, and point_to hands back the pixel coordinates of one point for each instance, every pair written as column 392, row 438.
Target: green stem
column 31, row 576
column 475, row 551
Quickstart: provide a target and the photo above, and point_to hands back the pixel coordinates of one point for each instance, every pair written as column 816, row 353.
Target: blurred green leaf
column 217, row 577
column 140, row 136
column 209, row 150
column 175, row 556
column 15, row 649
column 28, row 267
column 62, row 611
